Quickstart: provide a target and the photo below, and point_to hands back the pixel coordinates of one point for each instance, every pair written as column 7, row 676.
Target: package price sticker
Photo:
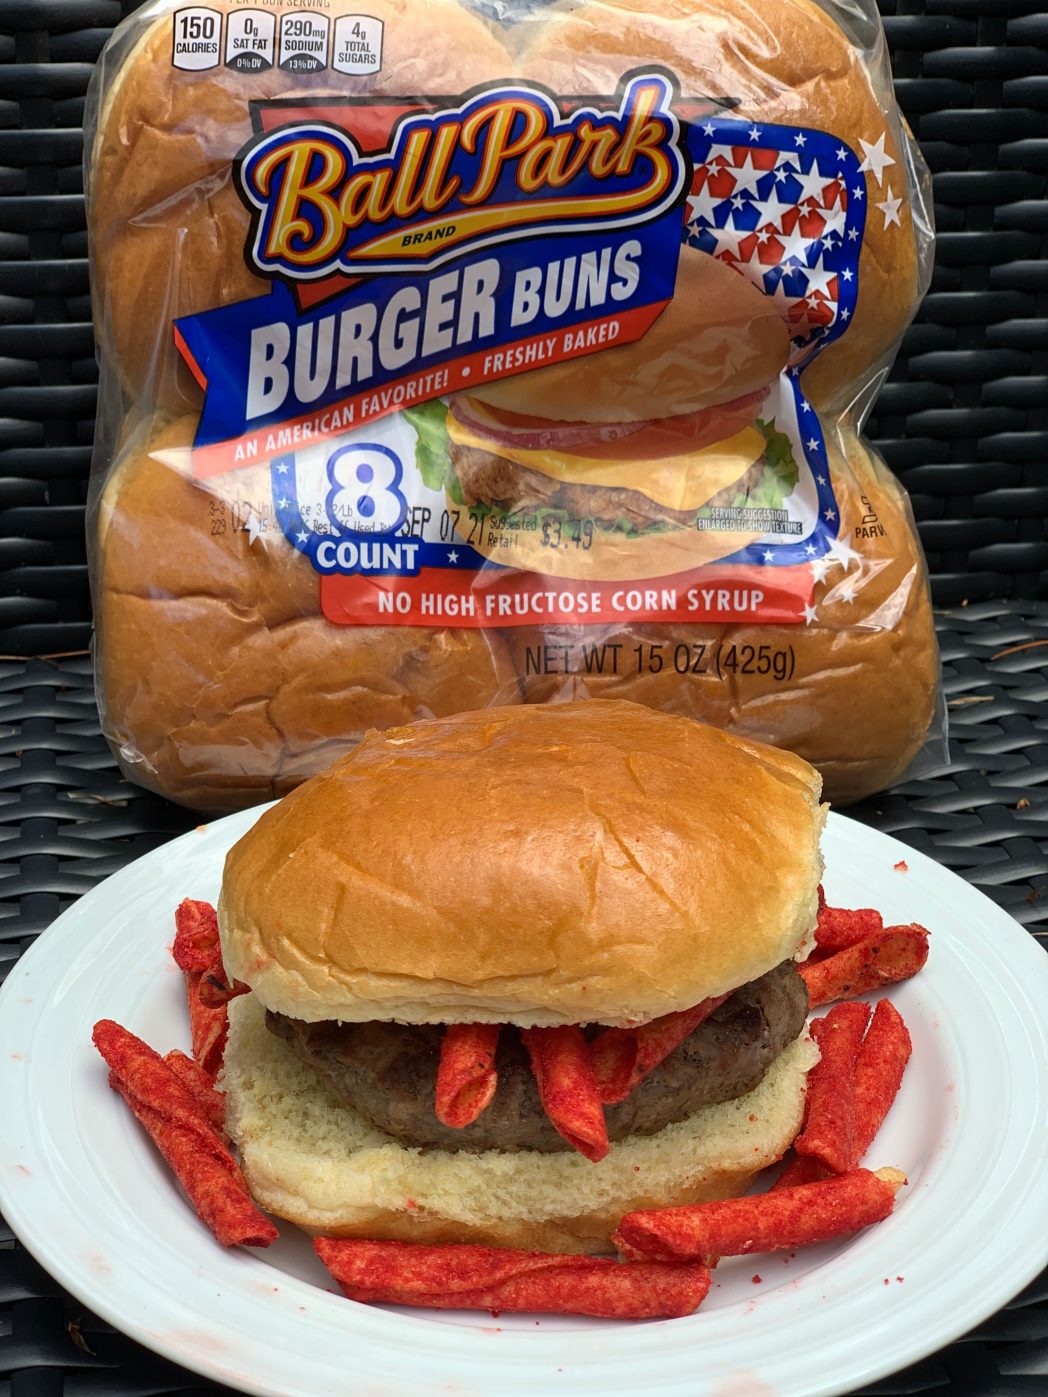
column 250, row 40
column 358, row 44
column 304, row 42
column 197, row 39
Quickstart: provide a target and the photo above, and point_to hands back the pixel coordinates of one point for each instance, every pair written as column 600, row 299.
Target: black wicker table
column 963, row 419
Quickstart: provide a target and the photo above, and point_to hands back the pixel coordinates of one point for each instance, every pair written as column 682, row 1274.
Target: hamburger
column 595, row 865
column 600, row 467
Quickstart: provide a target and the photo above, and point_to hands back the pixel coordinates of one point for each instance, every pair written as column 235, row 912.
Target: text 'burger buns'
column 562, row 864
column 584, row 864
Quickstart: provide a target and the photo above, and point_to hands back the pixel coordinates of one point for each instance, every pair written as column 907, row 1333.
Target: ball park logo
column 504, row 164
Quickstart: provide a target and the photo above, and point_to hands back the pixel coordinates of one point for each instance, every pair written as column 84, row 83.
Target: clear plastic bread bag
column 457, row 357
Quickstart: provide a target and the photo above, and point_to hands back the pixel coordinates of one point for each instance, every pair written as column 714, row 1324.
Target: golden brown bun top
column 717, row 340
column 593, row 862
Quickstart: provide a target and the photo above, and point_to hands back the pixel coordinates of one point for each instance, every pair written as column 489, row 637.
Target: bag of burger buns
column 452, row 362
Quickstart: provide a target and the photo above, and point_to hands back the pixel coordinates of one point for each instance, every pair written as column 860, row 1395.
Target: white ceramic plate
column 83, row 1188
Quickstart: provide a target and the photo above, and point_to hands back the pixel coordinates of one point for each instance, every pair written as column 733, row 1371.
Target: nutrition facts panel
column 304, row 42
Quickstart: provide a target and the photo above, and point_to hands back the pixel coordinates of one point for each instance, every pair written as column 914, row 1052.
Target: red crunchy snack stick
column 196, row 936
column 622, row 1057
column 892, row 955
column 782, row 1219
column 215, row 991
column 493, row 1278
column 560, row 1060
column 829, row 1108
column 185, row 1137
column 803, row 1170
column 208, row 1027
column 841, row 927
column 878, row 1072
column 200, row 1087
column 466, row 1077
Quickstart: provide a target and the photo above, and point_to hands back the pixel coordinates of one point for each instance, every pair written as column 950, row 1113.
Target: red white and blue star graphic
column 786, row 208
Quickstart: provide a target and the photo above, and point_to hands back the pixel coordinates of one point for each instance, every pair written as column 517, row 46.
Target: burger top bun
column 786, row 62
column 592, row 862
column 167, row 227
column 718, row 339
column 219, row 680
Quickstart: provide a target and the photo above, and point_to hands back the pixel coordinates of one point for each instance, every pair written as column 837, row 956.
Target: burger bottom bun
column 613, row 556
column 311, row 1159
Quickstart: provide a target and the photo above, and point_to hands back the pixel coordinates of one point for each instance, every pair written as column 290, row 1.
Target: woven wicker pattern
column 962, row 419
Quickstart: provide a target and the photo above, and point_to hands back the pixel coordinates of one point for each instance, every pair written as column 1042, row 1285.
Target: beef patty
column 387, row 1071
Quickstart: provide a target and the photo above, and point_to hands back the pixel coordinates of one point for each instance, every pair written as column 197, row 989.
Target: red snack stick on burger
column 519, row 910
column 567, row 1087
column 497, row 1279
column 196, row 941
column 782, row 1219
column 894, row 954
column 466, row 1077
column 197, row 951
column 623, row 1057
column 829, row 1113
column 185, row 1136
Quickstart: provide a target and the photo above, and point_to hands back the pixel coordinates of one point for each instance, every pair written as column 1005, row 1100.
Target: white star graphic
column 845, row 594
column 835, row 220
column 253, row 529
column 800, row 139
column 812, row 183
column 853, row 235
column 780, row 175
column 794, row 245
column 805, row 405
column 843, row 553
column 771, row 210
column 769, row 557
column 810, row 549
column 702, row 204
column 453, row 557
column 754, row 133
column 283, row 502
column 762, row 236
column 737, row 201
column 841, row 153
column 812, row 444
column 819, row 278
column 708, row 128
column 876, row 159
column 302, row 537
column 821, row 479
column 753, row 267
column 858, row 192
column 829, row 514
column 845, row 314
column 827, row 242
column 728, row 237
column 820, row 568
column 282, row 468
column 848, row 274
column 747, row 177
column 890, row 208
column 810, row 614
